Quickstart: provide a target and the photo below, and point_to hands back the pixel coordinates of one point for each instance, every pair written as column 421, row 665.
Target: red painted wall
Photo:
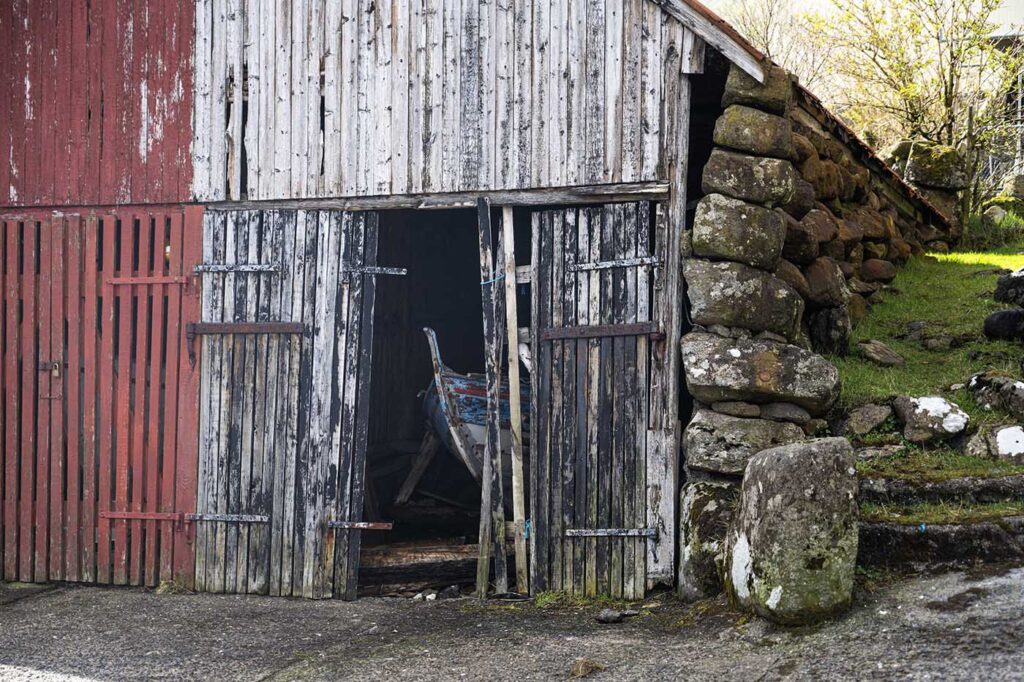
column 95, row 101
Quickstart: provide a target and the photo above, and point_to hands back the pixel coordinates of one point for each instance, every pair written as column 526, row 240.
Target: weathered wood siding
column 282, row 432
column 98, row 395
column 95, row 102
column 372, row 97
column 593, row 269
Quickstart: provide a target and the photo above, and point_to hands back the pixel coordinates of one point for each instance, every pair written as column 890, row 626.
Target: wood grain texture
column 418, row 96
column 97, row 101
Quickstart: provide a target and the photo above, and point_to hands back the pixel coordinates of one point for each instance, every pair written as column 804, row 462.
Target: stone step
column 930, row 547
column 969, row 490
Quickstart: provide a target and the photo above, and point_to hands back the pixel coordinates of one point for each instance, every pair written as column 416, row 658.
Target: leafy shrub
column 983, row 235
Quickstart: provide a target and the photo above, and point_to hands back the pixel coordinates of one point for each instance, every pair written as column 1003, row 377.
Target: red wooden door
column 99, row 399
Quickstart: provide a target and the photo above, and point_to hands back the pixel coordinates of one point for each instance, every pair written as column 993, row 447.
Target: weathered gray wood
column 358, row 98
column 423, row 458
column 515, row 407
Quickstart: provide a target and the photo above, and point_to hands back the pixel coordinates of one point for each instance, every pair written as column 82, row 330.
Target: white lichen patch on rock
column 929, row 418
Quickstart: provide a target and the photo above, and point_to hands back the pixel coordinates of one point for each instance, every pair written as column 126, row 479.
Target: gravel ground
column 953, row 626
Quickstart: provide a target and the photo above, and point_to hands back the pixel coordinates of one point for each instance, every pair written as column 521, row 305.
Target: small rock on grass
column 1010, row 288
column 996, row 391
column 929, row 418
column 881, row 354
column 866, row 419
column 1005, row 325
column 866, row 454
column 608, row 616
column 1004, row 443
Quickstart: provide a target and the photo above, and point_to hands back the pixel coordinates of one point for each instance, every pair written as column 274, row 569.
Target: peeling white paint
column 1010, row 441
column 144, row 119
column 740, row 569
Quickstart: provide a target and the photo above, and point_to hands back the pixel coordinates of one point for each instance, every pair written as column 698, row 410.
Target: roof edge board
column 716, row 33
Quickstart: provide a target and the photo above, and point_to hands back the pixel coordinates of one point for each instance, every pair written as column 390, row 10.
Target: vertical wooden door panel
column 283, row 415
column 591, row 377
column 91, row 396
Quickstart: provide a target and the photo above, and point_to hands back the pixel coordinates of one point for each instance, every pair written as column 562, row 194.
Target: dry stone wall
column 795, row 234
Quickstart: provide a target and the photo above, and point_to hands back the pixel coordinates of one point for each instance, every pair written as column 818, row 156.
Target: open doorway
column 432, row 498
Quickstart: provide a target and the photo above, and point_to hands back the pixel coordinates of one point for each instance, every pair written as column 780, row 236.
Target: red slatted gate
column 99, row 399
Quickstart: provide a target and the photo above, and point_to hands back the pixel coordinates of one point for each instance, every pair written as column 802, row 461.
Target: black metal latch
column 51, row 366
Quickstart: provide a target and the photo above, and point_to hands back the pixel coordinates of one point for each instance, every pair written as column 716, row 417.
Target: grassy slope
column 940, row 512
column 946, row 295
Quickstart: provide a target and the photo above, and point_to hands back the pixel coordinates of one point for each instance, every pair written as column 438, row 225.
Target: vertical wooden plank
column 188, row 410
column 57, row 399
column 352, row 256
column 282, row 99
column 553, row 471
column 657, row 63
column 514, row 399
column 13, row 390
column 265, row 418
column 241, row 388
column 364, row 364
column 207, row 409
column 540, row 94
column 471, row 117
column 632, row 90
column 639, row 488
column 252, row 407
column 491, row 448
column 568, row 290
column 558, row 99
column 171, row 298
column 44, row 389
column 575, row 155
column 450, row 153
column 604, row 438
column 613, row 90
column 419, row 79
column 139, row 295
column 399, row 97
column 540, row 416
column 503, row 157
column 122, row 412
column 581, row 477
column 522, row 136
column 73, row 419
column 594, row 119
column 91, row 395
column 252, row 65
column 7, row 405
column 594, row 392
column 285, row 447
column 382, row 109
column 349, row 131
column 154, row 414
column 318, row 439
column 622, row 231
column 333, row 123
column 223, row 554
column 107, row 378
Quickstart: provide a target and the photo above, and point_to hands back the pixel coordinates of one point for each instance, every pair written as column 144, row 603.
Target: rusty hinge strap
column 226, row 268
column 115, row 281
column 594, row 331
column 620, row 263
column 194, row 329
column 611, row 532
column 361, row 525
column 229, row 518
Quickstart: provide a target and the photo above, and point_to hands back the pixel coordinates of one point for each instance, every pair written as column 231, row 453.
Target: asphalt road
column 953, row 626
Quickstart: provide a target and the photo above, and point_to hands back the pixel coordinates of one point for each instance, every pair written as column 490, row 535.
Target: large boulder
column 822, row 224
column 752, row 178
column 722, row 444
column 826, row 283
column 1005, row 325
column 929, row 418
column 730, row 229
column 705, row 513
column 757, row 371
column 792, row 548
column 928, row 164
column 737, row 295
column 772, row 95
column 755, row 132
column 803, row 199
column 1010, row 288
column 877, row 270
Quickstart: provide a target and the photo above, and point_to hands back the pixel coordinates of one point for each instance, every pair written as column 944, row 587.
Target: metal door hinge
column 373, row 271
column 611, row 533
column 360, row 525
column 229, row 518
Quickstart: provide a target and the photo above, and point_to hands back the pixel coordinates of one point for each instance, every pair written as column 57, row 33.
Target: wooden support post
column 515, row 407
column 492, row 515
column 428, row 448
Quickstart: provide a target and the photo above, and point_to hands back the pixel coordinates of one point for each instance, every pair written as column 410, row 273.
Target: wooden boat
column 455, row 406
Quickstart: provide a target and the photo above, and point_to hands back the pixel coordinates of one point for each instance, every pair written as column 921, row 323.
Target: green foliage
column 920, row 465
column 936, row 513
column 565, row 600
column 947, row 295
column 982, row 235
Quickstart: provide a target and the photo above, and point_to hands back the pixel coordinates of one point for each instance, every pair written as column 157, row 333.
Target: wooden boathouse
column 224, row 226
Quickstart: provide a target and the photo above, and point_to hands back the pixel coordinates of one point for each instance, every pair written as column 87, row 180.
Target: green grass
column 945, row 294
column 918, row 465
column 565, row 600
column 940, row 512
